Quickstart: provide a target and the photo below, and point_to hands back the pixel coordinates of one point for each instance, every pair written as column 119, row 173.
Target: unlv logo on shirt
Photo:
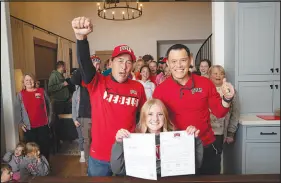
column 157, row 152
column 122, row 100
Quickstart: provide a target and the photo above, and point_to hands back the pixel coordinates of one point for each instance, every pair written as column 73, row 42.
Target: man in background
column 58, row 90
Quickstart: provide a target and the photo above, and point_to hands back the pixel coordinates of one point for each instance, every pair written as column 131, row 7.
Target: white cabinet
column 256, row 71
column 259, row 97
column 256, row 150
column 256, row 97
column 276, row 95
column 256, row 30
column 262, row 158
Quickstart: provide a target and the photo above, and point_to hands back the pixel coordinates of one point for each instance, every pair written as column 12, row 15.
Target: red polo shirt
column 34, row 103
column 114, row 106
column 190, row 104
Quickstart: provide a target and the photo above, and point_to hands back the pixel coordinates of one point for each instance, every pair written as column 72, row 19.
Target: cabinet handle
column 272, row 70
column 277, row 70
column 271, row 86
column 272, row 133
column 276, row 86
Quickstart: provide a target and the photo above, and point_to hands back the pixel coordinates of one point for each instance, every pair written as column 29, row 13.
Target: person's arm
column 43, row 166
column 19, row 110
column 74, row 105
column 198, row 153
column 48, row 107
column 87, row 68
column 117, row 161
column 55, row 84
column 8, row 156
column 217, row 105
column 234, row 116
column 76, row 77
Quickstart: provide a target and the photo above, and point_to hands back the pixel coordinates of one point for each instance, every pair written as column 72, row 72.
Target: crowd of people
column 130, row 96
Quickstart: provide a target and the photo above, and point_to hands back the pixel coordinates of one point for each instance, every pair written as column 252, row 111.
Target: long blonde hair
column 30, row 75
column 142, row 127
column 31, row 148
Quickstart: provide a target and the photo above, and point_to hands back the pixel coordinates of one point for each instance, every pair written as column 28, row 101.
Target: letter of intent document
column 140, row 155
column 177, row 152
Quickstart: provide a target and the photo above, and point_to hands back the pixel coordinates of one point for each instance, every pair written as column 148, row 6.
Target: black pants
column 40, row 136
column 60, row 107
column 212, row 157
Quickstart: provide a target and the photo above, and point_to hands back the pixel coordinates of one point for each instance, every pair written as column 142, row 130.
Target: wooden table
column 272, row 178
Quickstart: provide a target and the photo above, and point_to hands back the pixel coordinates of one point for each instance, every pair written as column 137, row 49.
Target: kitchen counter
column 256, row 121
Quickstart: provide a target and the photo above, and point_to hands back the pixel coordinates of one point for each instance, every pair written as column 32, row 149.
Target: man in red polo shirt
column 115, row 99
column 189, row 99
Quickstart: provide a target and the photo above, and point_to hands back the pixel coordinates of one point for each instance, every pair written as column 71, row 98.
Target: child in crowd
column 6, row 173
column 14, row 158
column 153, row 119
column 145, row 81
column 164, row 74
column 33, row 163
column 137, row 66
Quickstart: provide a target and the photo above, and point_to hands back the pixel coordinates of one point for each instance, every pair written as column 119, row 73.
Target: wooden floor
column 67, row 165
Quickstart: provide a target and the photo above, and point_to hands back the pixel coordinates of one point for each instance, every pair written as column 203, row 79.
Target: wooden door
column 104, row 55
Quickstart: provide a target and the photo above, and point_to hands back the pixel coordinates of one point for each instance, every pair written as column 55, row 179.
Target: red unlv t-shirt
column 114, row 106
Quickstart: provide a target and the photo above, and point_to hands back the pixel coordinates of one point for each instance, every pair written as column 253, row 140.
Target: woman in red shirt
column 34, row 112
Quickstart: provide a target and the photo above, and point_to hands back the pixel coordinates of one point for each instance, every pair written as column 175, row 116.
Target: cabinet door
column 262, row 158
column 256, row 38
column 277, row 39
column 276, row 95
column 255, row 97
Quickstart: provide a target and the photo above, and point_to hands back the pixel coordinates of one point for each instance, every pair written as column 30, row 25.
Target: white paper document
column 140, row 156
column 177, row 152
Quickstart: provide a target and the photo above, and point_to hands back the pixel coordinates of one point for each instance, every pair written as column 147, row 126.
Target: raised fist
column 82, row 26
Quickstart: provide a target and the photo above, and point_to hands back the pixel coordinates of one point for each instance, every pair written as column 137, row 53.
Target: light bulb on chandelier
column 120, row 11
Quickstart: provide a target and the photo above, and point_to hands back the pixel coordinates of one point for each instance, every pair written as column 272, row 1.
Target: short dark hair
column 147, row 57
column 145, row 66
column 178, row 47
column 60, row 63
column 206, row 60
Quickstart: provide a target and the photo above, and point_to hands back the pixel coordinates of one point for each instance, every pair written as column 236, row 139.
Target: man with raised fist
column 115, row 99
column 189, row 99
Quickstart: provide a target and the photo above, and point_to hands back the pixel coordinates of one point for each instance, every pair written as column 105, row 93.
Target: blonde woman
column 224, row 128
column 34, row 113
column 153, row 119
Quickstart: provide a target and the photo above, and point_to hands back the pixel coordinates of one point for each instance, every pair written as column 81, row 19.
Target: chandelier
column 119, row 11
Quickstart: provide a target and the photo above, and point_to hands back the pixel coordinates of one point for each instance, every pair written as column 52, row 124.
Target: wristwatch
column 227, row 100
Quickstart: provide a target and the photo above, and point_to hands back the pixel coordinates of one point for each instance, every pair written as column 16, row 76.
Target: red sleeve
column 156, row 93
column 215, row 102
column 142, row 98
column 92, row 84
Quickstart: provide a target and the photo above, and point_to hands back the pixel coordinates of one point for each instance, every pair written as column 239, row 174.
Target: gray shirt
column 31, row 166
column 13, row 161
column 118, row 163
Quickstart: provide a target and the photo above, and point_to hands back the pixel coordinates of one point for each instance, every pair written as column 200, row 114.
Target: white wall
column 160, row 21
column 193, row 45
column 230, row 9
column 218, row 33
column 7, row 81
